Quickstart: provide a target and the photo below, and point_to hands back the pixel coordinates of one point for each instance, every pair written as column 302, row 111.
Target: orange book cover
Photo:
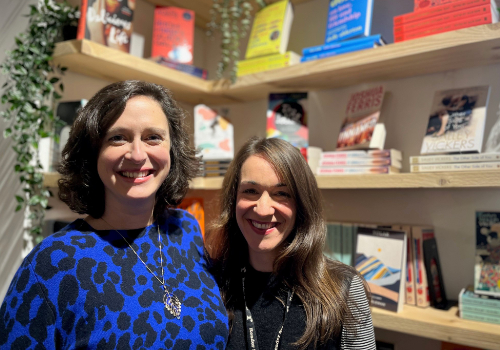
column 446, row 27
column 194, row 206
column 173, row 34
column 426, row 4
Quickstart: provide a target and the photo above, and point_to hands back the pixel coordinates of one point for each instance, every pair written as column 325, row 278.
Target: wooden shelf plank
column 489, row 179
column 470, row 47
column 440, row 325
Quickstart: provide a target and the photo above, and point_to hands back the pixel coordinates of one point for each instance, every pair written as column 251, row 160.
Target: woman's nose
column 137, row 153
column 264, row 206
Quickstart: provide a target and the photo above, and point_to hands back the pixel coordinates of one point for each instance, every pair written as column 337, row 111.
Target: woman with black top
column 279, row 289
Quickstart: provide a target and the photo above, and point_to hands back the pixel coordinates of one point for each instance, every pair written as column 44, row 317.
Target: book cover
column 456, row 158
column 383, row 153
column 186, row 68
column 361, row 117
column 339, row 51
column 287, row 118
column 437, row 291
column 339, row 162
column 487, row 266
column 173, row 34
column 410, row 295
column 213, row 134
column 348, row 19
column 107, row 22
column 381, row 259
column 428, row 168
column 357, row 170
column 376, row 39
column 194, row 206
column 456, row 122
column 270, row 30
column 421, row 283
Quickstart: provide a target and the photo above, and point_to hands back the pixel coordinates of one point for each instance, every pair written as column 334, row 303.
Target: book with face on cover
column 213, row 134
column 487, row 267
column 456, row 122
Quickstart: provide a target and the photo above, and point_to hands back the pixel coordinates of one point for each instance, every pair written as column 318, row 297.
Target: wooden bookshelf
column 439, row 325
column 487, row 179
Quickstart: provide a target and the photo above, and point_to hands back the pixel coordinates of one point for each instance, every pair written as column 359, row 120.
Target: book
column 213, row 134
column 348, row 19
column 194, row 206
column 270, row 30
column 385, row 153
column 467, row 297
column 425, row 4
column 333, row 242
column 107, row 22
column 485, row 18
column 437, row 291
column 419, row 233
column 456, row 158
column 361, row 119
column 410, row 296
column 339, row 51
column 381, row 259
column 347, row 243
column 261, row 64
column 326, row 163
column 456, row 122
column 173, row 34
column 376, row 39
column 430, row 168
column 358, row 170
column 438, row 10
column 287, row 118
column 186, row 68
column 487, row 265
column 480, row 317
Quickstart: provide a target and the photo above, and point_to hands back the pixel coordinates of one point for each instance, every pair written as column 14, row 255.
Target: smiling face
column 265, row 211
column 134, row 159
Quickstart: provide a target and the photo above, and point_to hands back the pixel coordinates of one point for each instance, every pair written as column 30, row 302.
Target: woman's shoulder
column 345, row 273
column 182, row 224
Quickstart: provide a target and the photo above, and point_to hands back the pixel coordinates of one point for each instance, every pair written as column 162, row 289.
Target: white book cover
column 213, row 134
column 456, row 158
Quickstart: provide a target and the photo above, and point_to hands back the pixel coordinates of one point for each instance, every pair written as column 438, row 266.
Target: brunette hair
column 80, row 186
column 321, row 284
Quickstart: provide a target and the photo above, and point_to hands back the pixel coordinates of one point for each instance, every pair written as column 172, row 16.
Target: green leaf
column 19, row 199
column 54, row 80
column 64, row 69
column 38, row 239
column 7, row 132
column 19, row 207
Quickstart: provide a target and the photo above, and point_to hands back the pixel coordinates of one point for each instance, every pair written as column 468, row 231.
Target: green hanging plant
column 232, row 18
column 32, row 89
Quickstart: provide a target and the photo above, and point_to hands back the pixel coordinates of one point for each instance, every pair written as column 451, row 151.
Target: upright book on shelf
column 381, row 260
column 348, row 19
column 213, row 134
column 361, row 128
column 487, row 267
column 287, row 118
column 419, row 234
column 107, row 22
column 173, row 34
column 456, row 123
column 270, row 30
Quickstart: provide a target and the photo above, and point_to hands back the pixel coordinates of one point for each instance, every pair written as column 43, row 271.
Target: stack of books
column 268, row 40
column 448, row 16
column 455, row 162
column 211, row 168
column 186, row 68
column 478, row 307
column 360, row 162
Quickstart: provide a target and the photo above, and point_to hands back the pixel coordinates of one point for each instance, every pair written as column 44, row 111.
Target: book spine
column 463, row 23
column 459, row 158
column 376, row 39
column 479, row 317
column 421, row 285
column 262, row 60
column 427, row 168
column 445, row 18
column 347, row 247
column 82, row 21
column 357, row 170
column 479, row 302
column 186, row 68
column 486, row 311
column 340, row 51
column 410, row 272
column 358, row 162
column 420, row 5
column 438, row 10
column 262, row 68
column 384, row 153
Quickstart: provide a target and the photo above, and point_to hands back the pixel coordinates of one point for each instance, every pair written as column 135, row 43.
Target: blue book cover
column 348, row 19
column 377, row 39
column 342, row 50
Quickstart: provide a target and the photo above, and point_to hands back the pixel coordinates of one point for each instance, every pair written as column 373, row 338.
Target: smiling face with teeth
column 134, row 159
column 265, row 211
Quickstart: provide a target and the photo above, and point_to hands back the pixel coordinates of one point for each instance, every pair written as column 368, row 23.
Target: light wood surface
column 440, row 325
column 489, row 179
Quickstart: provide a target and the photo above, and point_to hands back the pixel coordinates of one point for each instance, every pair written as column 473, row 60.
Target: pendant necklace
column 171, row 302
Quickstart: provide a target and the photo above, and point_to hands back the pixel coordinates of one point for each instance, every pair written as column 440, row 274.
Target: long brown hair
column 321, row 284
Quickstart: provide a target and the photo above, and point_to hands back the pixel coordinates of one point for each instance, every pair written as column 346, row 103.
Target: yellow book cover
column 270, row 30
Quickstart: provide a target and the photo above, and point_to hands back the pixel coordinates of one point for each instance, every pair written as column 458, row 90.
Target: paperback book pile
column 348, row 30
column 445, row 16
column 214, row 167
column 455, row 162
column 269, row 40
column 360, row 162
column 478, row 307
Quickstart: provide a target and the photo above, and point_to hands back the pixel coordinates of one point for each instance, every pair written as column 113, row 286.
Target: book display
column 477, row 307
column 487, row 269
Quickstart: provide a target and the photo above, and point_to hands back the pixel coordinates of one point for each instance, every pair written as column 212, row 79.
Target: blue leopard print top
column 82, row 288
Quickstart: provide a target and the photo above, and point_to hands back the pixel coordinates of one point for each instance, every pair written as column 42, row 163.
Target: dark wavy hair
column 321, row 284
column 80, row 186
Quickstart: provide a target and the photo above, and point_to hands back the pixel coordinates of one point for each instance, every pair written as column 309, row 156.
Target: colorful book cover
column 357, row 170
column 376, row 39
column 186, row 68
column 270, row 30
column 383, row 153
column 381, row 260
column 287, row 118
column 348, row 19
column 487, row 267
column 213, row 134
column 173, row 34
column 456, row 122
column 421, row 285
column 359, row 162
column 362, row 115
column 194, row 206
column 339, row 51
column 107, row 22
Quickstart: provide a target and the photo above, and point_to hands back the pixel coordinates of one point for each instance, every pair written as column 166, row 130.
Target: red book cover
column 438, row 10
column 425, row 4
column 445, row 18
column 173, row 34
column 446, row 27
column 107, row 22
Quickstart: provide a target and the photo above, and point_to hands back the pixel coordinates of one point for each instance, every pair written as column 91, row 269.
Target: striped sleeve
column 363, row 337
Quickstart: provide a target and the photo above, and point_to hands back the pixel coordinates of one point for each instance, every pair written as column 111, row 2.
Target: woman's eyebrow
column 251, row 182
column 120, row 129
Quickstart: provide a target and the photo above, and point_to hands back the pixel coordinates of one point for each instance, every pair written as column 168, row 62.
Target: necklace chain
column 172, row 303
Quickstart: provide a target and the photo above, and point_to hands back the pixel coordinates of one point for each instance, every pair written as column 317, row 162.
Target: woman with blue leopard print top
column 132, row 274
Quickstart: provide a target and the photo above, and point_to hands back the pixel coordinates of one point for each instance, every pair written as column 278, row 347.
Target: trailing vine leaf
column 30, row 93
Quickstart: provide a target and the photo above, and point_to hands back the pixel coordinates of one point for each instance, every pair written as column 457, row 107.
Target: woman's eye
column 116, row 139
column 250, row 191
column 284, row 194
column 155, row 138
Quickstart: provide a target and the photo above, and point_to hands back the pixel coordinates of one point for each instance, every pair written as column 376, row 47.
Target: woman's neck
column 261, row 261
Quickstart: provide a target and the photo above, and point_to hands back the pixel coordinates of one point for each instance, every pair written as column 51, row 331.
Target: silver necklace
column 171, row 302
